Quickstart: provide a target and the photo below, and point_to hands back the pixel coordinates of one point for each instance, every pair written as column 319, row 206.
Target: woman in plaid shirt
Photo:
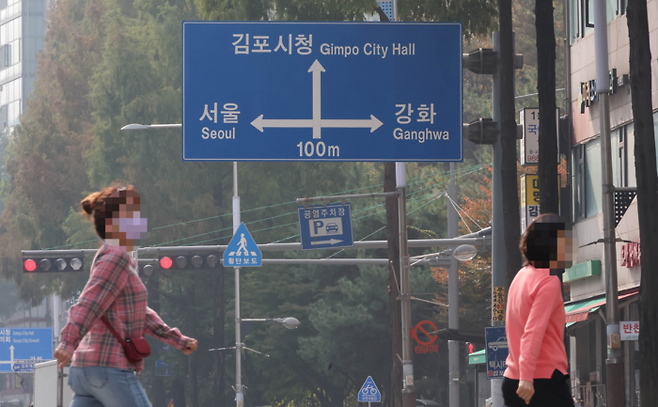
column 100, row 374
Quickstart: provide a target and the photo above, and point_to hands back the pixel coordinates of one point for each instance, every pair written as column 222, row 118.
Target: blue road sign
column 369, row 392
column 162, row 368
column 496, row 351
column 24, row 347
column 324, row 227
column 242, row 250
column 327, row 91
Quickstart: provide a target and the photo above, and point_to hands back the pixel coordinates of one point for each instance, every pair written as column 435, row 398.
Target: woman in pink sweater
column 537, row 366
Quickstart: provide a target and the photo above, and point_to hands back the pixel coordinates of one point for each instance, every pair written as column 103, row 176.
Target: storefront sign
column 630, row 255
column 529, row 199
column 529, row 119
column 630, row 330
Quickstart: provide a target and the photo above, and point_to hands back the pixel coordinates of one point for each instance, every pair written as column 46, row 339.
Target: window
column 7, row 54
column 581, row 16
column 578, row 164
column 593, row 187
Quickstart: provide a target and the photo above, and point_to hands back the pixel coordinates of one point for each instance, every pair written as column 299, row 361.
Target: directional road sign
column 325, row 91
column 325, row 226
column 369, row 392
column 162, row 368
column 242, row 250
column 496, row 351
column 21, row 348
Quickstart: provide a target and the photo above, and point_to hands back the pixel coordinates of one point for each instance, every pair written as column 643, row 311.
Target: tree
column 511, row 217
column 647, row 190
column 548, row 132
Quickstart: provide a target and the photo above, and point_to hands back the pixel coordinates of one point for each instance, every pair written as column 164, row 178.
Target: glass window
column 593, row 177
column 578, row 182
column 655, row 133
column 630, row 143
column 574, row 20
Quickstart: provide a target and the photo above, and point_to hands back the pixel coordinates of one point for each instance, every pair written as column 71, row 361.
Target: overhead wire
column 418, row 180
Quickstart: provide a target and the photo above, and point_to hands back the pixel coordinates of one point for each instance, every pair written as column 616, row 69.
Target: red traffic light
column 166, row 262
column 470, row 348
column 30, row 265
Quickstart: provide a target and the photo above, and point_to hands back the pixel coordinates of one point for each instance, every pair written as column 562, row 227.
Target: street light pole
column 239, row 394
column 615, row 356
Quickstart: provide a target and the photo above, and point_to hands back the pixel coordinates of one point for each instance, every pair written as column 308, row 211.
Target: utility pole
column 408, row 392
column 494, row 132
column 453, row 298
column 615, row 387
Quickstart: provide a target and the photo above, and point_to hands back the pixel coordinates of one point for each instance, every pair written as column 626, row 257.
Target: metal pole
column 615, row 361
column 395, row 10
column 239, row 395
column 498, row 254
column 453, row 297
column 408, row 392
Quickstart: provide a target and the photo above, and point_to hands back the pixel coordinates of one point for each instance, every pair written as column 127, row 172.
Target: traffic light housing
column 38, row 264
column 182, row 260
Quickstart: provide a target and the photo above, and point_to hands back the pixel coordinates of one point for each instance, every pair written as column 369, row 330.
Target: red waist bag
column 136, row 349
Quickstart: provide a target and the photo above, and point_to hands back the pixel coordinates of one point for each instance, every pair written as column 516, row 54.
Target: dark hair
column 105, row 204
column 539, row 241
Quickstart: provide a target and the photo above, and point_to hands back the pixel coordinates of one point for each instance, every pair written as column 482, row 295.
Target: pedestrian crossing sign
column 242, row 251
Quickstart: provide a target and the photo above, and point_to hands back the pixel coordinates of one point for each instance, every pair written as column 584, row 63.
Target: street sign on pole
column 496, row 351
column 330, row 91
column 369, row 392
column 325, row 226
column 21, row 348
column 242, row 250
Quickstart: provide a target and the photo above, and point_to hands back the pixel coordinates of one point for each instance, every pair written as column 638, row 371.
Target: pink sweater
column 535, row 326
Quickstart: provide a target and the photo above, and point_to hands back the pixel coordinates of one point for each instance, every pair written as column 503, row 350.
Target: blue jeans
column 106, row 387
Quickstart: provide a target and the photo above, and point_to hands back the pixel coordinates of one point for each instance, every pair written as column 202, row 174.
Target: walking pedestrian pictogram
column 242, row 251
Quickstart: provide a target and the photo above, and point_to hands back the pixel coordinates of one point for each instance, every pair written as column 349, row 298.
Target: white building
column 585, row 316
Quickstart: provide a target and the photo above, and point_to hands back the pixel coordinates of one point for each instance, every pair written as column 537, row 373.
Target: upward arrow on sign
column 317, row 123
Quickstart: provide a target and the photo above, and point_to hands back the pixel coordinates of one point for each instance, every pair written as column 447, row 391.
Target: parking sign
column 325, row 226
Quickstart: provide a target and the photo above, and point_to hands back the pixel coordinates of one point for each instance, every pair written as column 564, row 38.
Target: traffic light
column 52, row 264
column 178, row 258
column 146, row 267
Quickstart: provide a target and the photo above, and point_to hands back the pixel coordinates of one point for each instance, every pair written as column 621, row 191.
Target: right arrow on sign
column 330, row 241
column 317, row 123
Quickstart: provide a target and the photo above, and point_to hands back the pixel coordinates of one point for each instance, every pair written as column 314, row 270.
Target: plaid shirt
column 115, row 290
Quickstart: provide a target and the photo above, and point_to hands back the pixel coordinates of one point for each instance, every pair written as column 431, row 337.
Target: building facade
column 22, row 27
column 586, row 326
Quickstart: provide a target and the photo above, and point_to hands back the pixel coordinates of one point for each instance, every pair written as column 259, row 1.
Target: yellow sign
column 498, row 304
column 529, row 190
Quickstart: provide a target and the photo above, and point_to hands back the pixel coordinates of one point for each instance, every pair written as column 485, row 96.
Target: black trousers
column 553, row 392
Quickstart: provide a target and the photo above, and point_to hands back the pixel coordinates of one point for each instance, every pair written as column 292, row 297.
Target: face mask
column 134, row 228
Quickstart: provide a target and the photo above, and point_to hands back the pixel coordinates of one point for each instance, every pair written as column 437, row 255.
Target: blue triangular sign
column 242, row 251
column 369, row 392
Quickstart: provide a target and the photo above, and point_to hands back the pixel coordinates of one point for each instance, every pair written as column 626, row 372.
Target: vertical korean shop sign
column 286, row 91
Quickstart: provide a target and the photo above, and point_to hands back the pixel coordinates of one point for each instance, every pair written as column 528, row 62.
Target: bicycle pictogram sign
column 426, row 328
column 369, row 392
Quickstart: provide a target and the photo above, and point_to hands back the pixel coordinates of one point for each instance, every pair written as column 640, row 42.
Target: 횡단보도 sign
column 326, row 91
column 242, row 250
